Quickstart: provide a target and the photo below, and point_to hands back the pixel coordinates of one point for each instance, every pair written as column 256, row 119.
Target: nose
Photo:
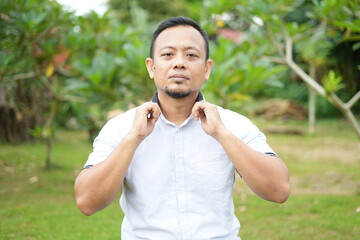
column 179, row 62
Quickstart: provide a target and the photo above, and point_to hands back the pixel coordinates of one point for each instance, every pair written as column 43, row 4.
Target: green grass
column 325, row 177
column 46, row 208
column 301, row 217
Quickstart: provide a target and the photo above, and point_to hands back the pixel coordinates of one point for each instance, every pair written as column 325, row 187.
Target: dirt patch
column 328, row 149
column 330, row 183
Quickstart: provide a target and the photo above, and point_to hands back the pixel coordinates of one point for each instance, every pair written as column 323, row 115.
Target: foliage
column 109, row 70
column 158, row 9
column 299, row 93
column 32, row 35
column 303, row 44
column 55, row 65
column 32, row 40
column 317, row 28
column 236, row 75
column 332, row 83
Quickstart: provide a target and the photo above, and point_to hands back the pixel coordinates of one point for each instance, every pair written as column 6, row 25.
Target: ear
column 150, row 67
column 208, row 67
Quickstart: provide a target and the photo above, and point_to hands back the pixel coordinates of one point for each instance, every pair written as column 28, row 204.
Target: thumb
column 198, row 110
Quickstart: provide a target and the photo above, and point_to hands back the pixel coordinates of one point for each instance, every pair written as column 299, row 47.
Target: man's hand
column 145, row 119
column 209, row 117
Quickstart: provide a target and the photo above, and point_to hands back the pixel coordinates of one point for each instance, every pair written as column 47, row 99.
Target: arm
column 98, row 186
column 267, row 176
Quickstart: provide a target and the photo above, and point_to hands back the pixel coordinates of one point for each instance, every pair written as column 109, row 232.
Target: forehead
column 180, row 36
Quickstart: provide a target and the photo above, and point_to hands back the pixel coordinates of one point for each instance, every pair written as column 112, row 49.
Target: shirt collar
column 155, row 98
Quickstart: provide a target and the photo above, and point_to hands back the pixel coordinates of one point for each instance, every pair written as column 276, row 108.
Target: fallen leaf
column 9, row 169
column 33, row 179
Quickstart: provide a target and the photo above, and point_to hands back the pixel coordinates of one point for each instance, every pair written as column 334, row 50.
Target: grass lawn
column 324, row 204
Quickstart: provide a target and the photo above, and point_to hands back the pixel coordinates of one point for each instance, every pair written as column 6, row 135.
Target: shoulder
column 121, row 120
column 118, row 125
column 124, row 117
column 231, row 117
column 245, row 130
column 239, row 124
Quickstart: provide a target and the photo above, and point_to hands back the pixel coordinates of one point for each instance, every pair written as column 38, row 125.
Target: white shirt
column 180, row 181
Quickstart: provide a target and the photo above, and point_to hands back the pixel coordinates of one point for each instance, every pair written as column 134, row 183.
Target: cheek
column 200, row 72
column 158, row 72
column 158, row 66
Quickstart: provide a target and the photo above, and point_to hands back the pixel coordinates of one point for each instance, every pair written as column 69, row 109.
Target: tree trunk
column 312, row 102
column 312, row 110
column 48, row 160
column 13, row 127
column 48, row 133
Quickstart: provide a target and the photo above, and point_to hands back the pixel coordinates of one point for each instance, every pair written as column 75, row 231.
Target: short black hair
column 176, row 21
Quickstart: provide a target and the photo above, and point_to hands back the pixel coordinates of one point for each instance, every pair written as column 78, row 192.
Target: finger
column 153, row 112
column 195, row 110
column 198, row 110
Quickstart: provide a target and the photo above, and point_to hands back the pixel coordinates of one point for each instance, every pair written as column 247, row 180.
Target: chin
column 177, row 94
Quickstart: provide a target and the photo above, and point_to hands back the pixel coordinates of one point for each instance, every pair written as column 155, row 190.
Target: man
column 176, row 156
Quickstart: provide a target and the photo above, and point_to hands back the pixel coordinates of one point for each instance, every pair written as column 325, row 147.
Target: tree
column 158, row 9
column 55, row 65
column 108, row 66
column 33, row 46
column 328, row 24
column 237, row 76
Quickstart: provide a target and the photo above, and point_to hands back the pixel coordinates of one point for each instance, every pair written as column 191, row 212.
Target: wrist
column 222, row 134
column 134, row 137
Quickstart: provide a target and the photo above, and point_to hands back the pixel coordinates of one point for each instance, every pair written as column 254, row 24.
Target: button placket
column 180, row 185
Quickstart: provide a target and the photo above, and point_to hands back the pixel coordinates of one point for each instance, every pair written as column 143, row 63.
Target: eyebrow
column 186, row 48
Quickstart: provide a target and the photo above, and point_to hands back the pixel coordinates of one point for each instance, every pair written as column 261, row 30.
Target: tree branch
column 303, row 35
column 275, row 44
column 23, row 76
column 274, row 59
column 288, row 49
column 353, row 100
column 311, row 82
column 346, row 111
column 64, row 71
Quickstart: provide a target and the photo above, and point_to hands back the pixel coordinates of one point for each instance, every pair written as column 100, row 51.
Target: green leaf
column 356, row 46
column 332, row 83
column 354, row 26
column 5, row 59
column 240, row 97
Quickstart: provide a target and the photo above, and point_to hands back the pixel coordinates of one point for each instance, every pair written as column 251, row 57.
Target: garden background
column 293, row 67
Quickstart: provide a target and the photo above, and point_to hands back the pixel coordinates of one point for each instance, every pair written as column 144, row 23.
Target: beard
column 177, row 94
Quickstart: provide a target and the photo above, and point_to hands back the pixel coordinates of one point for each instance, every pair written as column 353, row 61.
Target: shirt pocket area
column 213, row 172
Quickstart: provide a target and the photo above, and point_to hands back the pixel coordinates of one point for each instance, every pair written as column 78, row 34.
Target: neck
column 176, row 110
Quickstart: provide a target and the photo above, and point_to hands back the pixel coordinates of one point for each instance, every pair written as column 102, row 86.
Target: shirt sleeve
column 248, row 132
column 257, row 141
column 103, row 144
column 109, row 137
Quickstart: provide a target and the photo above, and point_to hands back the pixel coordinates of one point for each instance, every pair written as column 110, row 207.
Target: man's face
column 179, row 67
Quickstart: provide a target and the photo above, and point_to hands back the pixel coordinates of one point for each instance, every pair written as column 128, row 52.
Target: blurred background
column 293, row 67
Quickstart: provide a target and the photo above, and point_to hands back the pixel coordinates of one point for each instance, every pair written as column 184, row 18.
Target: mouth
column 179, row 77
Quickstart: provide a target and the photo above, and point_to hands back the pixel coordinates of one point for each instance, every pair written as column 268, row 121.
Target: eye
column 192, row 55
column 167, row 54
